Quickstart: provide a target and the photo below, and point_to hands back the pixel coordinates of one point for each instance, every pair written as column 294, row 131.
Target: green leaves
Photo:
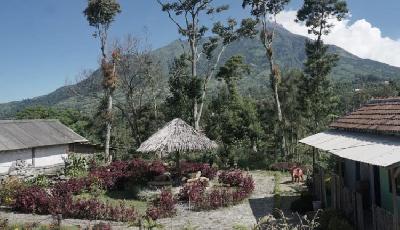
column 317, row 15
column 261, row 8
column 101, row 12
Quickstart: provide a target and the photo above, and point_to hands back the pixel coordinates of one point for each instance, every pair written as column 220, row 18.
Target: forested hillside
column 290, row 54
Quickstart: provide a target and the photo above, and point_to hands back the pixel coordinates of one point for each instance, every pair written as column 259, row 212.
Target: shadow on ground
column 261, row 206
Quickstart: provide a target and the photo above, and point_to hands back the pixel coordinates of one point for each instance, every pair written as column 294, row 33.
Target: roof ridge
column 28, row 120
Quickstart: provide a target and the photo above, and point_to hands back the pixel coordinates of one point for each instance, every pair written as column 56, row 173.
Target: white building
column 35, row 143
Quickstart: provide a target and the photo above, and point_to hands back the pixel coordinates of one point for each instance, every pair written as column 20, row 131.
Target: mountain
column 289, row 50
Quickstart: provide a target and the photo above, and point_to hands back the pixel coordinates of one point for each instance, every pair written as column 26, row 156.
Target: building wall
column 386, row 195
column 44, row 156
column 7, row 159
column 52, row 155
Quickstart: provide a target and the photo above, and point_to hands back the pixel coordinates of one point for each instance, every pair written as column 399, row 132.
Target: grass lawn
column 115, row 197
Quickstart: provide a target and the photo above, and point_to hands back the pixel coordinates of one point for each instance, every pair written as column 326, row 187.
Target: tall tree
column 263, row 10
column 182, row 90
column 140, row 80
column 234, row 121
column 316, row 96
column 100, row 14
column 190, row 12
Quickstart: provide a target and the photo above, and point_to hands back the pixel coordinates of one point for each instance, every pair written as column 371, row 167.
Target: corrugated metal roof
column 372, row 149
column 23, row 134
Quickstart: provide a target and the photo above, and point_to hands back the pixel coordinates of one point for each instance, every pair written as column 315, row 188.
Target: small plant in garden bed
column 76, row 165
column 162, row 207
column 40, row 180
column 240, row 187
column 9, row 189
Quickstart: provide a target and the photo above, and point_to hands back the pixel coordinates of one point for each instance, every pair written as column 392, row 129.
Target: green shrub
column 303, row 204
column 76, row 166
column 332, row 220
column 40, row 180
column 9, row 189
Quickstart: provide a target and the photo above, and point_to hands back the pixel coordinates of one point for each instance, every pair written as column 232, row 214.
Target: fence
column 383, row 219
column 350, row 203
column 342, row 198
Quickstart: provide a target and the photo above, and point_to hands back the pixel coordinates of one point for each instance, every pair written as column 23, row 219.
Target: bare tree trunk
column 275, row 77
column 103, row 41
column 194, row 75
column 108, row 128
column 205, row 85
column 280, row 118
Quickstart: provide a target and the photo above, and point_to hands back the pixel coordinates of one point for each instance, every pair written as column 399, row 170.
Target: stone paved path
column 245, row 214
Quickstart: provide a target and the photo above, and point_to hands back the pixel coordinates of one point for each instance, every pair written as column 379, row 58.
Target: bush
column 303, row 204
column 95, row 210
column 76, row 165
column 231, row 178
column 192, row 192
column 332, row 219
column 32, row 200
column 156, row 168
column 9, row 189
column 115, row 175
column 241, row 186
column 162, row 207
column 40, row 181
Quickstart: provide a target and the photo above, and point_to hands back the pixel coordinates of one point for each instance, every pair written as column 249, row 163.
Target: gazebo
column 177, row 137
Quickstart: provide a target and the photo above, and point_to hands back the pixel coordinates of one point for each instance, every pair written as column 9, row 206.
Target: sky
column 46, row 44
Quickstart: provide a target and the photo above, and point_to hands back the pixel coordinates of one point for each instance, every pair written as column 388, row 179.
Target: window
column 397, row 184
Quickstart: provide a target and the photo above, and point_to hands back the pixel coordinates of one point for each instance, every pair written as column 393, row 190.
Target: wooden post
column 372, row 194
column 59, row 220
column 313, row 174
column 360, row 213
column 323, row 189
column 33, row 157
column 353, row 200
column 178, row 164
column 394, row 199
column 333, row 192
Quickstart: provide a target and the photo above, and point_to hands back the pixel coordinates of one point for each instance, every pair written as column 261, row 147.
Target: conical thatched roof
column 176, row 136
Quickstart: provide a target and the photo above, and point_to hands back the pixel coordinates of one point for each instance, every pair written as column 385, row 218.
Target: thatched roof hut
column 177, row 136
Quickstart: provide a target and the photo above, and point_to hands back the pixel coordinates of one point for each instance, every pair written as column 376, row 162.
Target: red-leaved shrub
column 192, row 192
column 32, row 200
column 162, row 207
column 156, row 168
column 240, row 187
column 232, row 178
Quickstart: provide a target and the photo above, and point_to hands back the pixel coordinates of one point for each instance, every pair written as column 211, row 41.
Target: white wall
column 44, row 156
column 52, row 155
column 10, row 157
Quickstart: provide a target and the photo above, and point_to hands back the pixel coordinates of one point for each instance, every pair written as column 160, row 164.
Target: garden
column 135, row 191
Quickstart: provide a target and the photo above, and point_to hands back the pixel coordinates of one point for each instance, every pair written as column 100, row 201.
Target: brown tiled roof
column 379, row 115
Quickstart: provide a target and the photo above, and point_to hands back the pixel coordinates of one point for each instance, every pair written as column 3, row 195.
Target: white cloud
column 359, row 38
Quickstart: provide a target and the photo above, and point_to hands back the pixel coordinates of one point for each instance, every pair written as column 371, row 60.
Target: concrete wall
column 7, row 159
column 52, row 155
column 44, row 156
